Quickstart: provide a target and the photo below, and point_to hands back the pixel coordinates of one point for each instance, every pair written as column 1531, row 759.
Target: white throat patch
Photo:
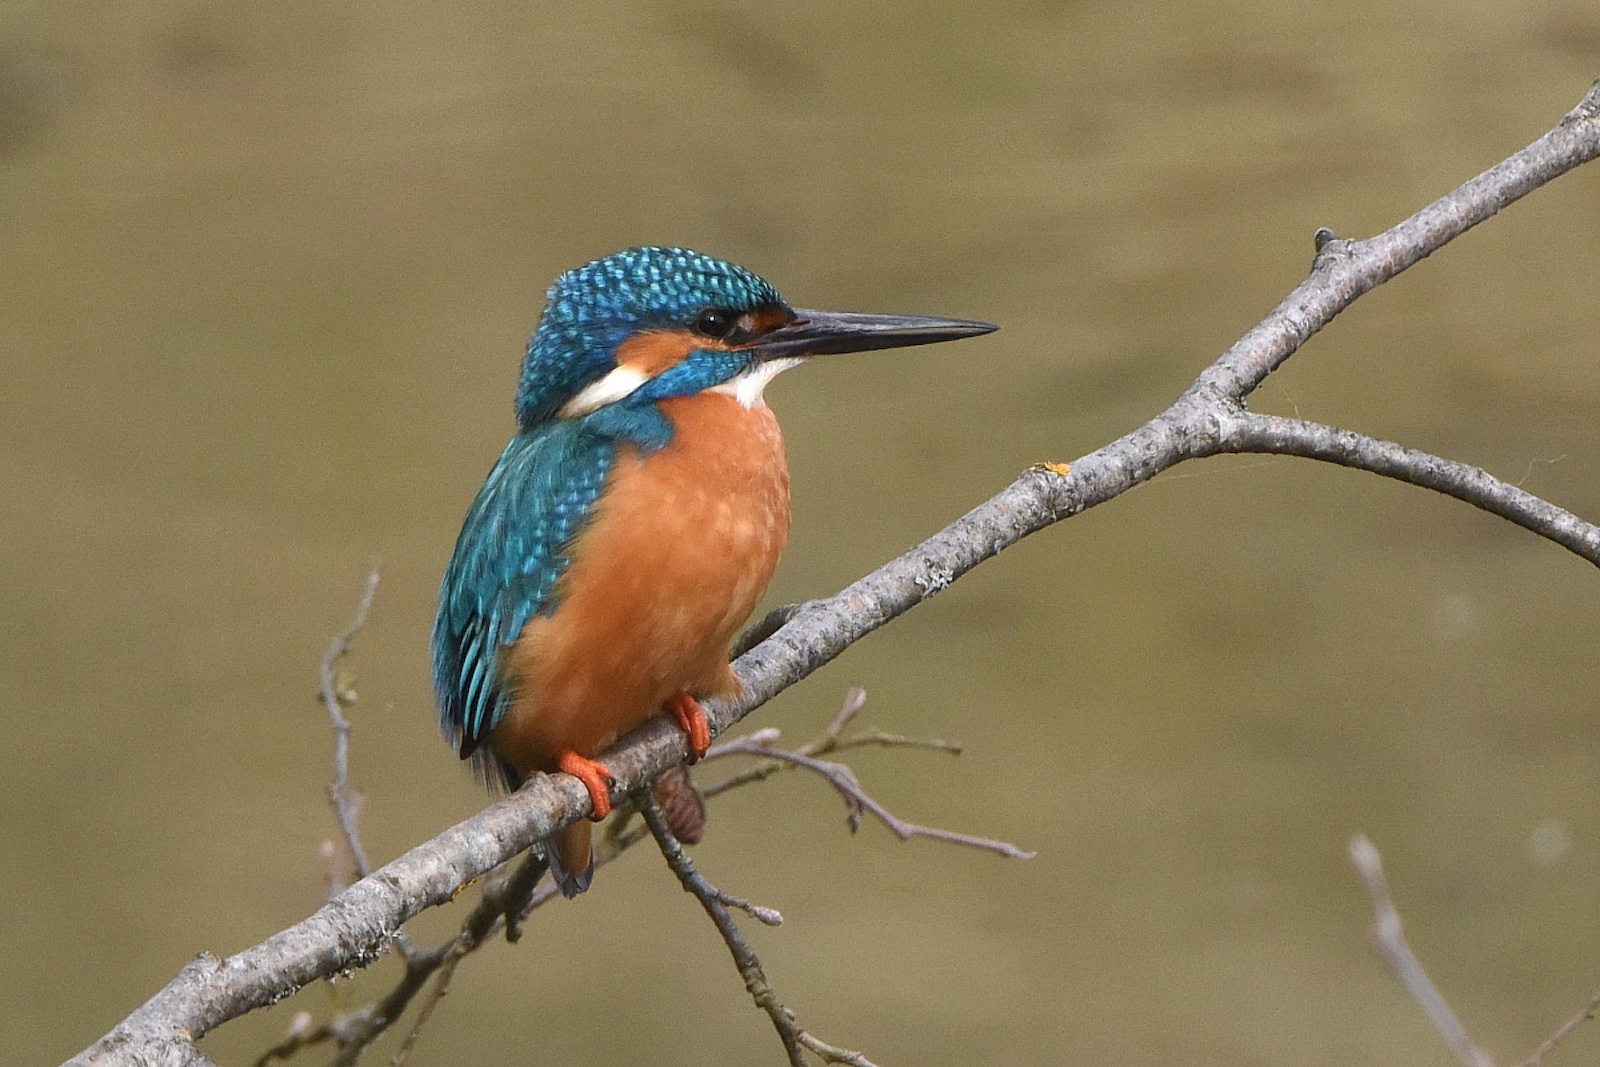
column 746, row 388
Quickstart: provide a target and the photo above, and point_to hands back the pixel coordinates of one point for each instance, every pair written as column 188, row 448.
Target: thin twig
column 855, row 698
column 302, row 1033
column 453, row 955
column 337, row 694
column 832, row 1053
column 1276, row 435
column 508, row 901
column 716, row 902
column 885, row 739
column 832, row 740
column 335, row 698
column 501, row 906
column 511, row 902
column 744, row 957
column 759, row 912
column 1389, row 937
column 844, row 779
column 849, row 787
column 1589, row 1011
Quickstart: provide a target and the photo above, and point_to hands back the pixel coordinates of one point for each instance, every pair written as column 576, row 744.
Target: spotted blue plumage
column 594, row 308
column 523, row 528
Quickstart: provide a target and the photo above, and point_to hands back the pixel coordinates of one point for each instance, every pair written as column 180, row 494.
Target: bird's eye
column 714, row 322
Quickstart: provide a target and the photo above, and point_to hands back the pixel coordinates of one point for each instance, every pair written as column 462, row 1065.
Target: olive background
column 267, row 275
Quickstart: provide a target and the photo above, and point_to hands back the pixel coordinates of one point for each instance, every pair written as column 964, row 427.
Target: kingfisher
column 632, row 522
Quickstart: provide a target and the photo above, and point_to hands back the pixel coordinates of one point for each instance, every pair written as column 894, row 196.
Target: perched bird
column 630, row 526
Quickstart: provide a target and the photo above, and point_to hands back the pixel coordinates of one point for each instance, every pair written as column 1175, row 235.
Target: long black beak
column 817, row 333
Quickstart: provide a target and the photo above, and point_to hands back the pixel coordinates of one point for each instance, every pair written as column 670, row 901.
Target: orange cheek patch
column 766, row 319
column 656, row 351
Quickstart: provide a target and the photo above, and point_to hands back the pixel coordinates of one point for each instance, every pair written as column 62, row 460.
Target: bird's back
column 513, row 549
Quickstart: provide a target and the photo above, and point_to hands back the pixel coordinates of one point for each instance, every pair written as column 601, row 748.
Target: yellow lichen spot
column 462, row 888
column 1060, row 469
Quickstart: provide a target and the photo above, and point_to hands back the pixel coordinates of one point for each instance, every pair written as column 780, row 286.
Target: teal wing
column 514, row 546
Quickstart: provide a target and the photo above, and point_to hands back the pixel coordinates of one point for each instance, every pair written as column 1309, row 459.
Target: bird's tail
column 570, row 858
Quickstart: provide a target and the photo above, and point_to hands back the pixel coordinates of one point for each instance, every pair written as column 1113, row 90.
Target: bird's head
column 647, row 324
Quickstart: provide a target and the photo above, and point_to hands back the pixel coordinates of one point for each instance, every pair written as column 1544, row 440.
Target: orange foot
column 595, row 778
column 692, row 718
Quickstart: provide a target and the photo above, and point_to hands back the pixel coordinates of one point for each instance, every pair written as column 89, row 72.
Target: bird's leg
column 692, row 718
column 595, row 778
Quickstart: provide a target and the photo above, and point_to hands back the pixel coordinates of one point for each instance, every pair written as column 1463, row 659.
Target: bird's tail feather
column 570, row 858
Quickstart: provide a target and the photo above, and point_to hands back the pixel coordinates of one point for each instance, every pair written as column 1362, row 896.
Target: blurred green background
column 267, row 271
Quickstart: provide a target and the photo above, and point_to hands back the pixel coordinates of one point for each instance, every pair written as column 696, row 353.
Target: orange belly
column 681, row 546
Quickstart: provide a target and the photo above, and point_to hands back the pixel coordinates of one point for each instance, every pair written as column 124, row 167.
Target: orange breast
column 681, row 546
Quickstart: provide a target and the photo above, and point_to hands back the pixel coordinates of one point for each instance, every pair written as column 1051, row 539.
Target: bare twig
column 858, row 800
column 759, row 912
column 711, row 899
column 337, row 695
column 509, row 900
column 1389, row 937
column 832, row 740
column 1390, row 940
column 452, row 955
column 855, row 698
column 832, row 1053
column 302, row 1033
column 716, row 902
column 1295, row 437
column 1587, row 1012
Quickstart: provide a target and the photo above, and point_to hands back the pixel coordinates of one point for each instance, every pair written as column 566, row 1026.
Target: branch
column 1388, row 934
column 1587, row 1012
column 358, row 924
column 1294, row 437
column 716, row 904
column 510, row 899
column 338, row 693
column 857, row 800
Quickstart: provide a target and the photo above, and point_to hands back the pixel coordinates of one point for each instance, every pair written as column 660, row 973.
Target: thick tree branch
column 357, row 925
column 511, row 897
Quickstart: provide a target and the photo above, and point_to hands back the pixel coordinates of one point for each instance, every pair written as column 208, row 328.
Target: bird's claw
column 691, row 717
column 596, row 778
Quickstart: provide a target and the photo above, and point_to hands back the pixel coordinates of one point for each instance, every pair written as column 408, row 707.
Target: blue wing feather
column 514, row 546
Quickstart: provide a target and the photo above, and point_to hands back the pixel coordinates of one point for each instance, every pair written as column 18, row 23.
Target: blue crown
column 593, row 309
